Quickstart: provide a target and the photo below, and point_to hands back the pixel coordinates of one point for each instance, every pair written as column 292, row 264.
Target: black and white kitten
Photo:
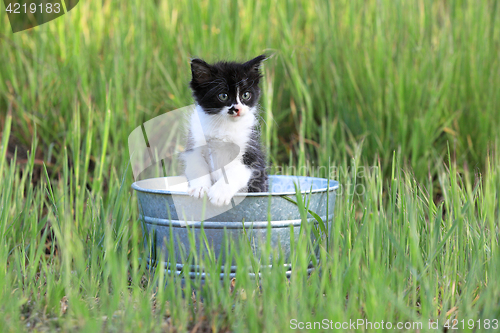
column 231, row 159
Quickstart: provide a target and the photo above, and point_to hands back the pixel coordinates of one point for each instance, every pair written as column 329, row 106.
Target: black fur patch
column 254, row 158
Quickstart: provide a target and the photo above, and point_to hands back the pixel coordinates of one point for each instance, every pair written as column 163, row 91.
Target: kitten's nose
column 234, row 111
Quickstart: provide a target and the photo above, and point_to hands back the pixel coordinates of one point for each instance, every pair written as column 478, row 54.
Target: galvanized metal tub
column 168, row 211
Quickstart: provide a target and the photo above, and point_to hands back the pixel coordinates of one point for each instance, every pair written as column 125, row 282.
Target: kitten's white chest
column 224, row 140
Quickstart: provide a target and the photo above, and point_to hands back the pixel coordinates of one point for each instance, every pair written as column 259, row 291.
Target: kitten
column 228, row 157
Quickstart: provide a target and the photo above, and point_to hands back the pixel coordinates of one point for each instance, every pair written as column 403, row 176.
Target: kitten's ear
column 200, row 70
column 254, row 64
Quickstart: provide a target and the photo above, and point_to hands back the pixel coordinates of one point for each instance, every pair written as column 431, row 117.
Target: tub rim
column 333, row 187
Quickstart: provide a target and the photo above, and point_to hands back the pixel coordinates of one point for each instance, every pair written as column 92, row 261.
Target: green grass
column 400, row 97
column 404, row 75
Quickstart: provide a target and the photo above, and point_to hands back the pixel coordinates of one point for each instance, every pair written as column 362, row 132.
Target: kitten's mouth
column 237, row 116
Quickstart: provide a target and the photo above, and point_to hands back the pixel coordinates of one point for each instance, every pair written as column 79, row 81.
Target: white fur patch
column 218, row 135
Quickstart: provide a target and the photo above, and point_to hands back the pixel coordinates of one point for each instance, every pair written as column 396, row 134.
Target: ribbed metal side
column 256, row 215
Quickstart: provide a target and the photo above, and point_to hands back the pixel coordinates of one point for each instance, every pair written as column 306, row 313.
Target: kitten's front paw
column 197, row 188
column 220, row 194
column 198, row 192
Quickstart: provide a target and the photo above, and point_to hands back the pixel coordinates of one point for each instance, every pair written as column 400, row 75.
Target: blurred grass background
column 406, row 89
column 405, row 76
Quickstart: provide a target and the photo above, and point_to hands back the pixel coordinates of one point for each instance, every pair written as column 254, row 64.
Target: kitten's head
column 227, row 89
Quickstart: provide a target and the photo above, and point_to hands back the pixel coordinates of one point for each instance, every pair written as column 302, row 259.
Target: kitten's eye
column 246, row 95
column 223, row 97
